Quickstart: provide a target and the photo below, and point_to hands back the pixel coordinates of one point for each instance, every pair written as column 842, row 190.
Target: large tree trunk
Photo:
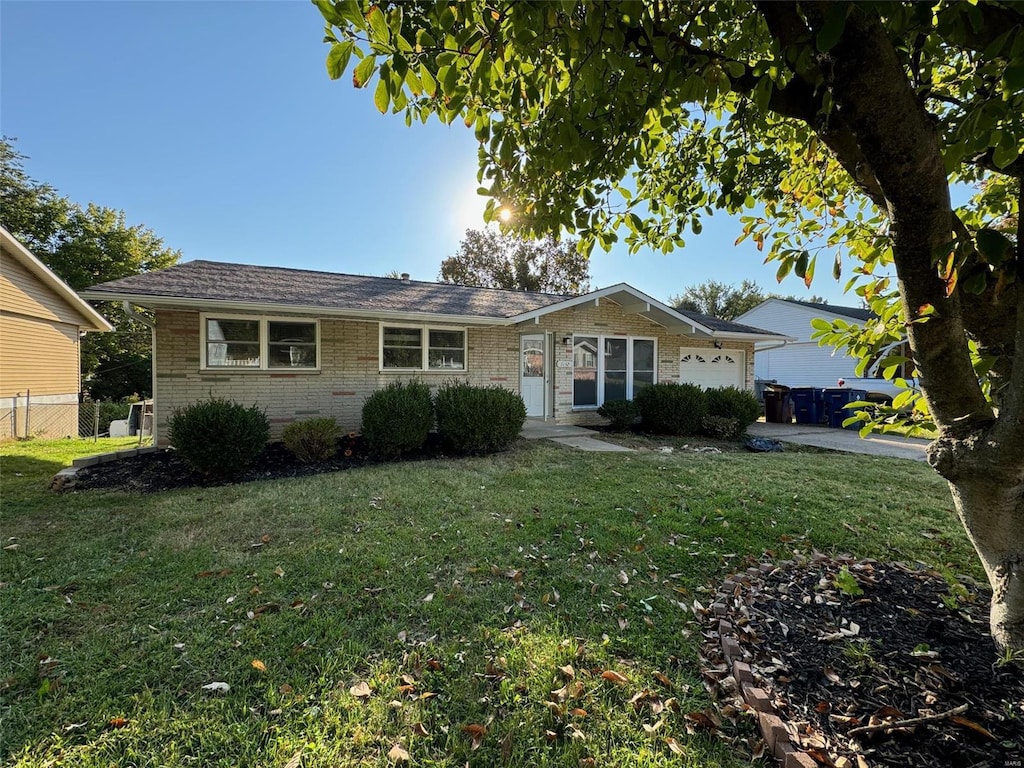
column 992, row 511
column 980, row 454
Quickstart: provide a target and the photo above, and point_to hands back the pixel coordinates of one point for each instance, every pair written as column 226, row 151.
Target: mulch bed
column 164, row 471
column 848, row 651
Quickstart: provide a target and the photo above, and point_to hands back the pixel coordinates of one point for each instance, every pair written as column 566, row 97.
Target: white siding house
column 802, row 363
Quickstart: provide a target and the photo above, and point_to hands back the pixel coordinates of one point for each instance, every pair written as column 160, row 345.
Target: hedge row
column 220, row 438
column 686, row 409
column 398, row 418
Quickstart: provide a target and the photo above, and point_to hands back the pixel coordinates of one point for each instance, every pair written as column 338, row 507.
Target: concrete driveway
column 843, row 440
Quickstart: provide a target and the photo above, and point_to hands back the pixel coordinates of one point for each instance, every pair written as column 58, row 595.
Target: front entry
column 532, row 368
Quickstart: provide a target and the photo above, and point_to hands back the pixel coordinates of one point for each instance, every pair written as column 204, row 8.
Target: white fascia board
column 206, row 305
column 743, row 336
column 44, row 273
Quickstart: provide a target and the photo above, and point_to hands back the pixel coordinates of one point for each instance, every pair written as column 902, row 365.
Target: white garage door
column 711, row 367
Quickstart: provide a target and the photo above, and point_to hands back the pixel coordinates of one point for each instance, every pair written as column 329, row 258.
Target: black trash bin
column 807, row 405
column 837, row 399
column 777, row 409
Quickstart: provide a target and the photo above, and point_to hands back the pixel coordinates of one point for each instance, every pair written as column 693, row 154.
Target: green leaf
column 364, row 71
column 378, row 25
column 783, row 270
column 327, row 10
column 821, row 324
column 903, row 398
column 832, row 29
column 428, row 81
column 337, row 59
column 993, row 246
column 809, row 272
column 381, row 99
column 1013, row 78
column 1004, row 154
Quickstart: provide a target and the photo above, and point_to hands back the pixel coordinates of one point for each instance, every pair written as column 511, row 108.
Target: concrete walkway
column 574, row 437
column 843, row 440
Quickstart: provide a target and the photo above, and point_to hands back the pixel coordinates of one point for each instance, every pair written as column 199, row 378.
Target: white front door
column 711, row 367
column 532, row 370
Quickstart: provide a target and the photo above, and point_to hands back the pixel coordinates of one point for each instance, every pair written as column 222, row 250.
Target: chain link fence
column 55, row 416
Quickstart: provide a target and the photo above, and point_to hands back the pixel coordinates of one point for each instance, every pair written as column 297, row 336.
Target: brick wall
column 350, row 369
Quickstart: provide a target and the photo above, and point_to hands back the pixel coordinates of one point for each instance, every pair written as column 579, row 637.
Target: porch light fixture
column 567, row 339
column 718, row 344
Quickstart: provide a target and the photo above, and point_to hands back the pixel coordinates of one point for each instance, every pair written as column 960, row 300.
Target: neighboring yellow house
column 41, row 321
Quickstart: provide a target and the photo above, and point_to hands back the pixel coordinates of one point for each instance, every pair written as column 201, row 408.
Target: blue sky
column 215, row 124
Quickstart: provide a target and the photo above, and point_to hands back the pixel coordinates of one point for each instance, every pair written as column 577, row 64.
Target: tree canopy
column 488, row 258
column 85, row 246
column 727, row 301
column 836, row 128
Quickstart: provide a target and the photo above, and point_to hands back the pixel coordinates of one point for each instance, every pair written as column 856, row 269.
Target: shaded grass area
column 456, row 590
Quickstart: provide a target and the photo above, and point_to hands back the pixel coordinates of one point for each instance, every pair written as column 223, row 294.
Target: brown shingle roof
column 221, row 282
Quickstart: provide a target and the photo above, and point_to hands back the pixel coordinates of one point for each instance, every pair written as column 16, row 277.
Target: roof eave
column 369, row 315
column 607, row 293
column 44, row 273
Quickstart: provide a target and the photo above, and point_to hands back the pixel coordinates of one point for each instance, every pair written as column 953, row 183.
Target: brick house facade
column 349, row 343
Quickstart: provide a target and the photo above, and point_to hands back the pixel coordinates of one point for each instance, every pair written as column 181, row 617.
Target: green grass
column 471, row 580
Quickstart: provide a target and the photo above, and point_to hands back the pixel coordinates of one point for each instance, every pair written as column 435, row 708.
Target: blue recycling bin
column 836, row 399
column 807, row 405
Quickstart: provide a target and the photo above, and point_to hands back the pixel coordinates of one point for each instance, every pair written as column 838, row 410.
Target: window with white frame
column 260, row 343
column 420, row 348
column 607, row 368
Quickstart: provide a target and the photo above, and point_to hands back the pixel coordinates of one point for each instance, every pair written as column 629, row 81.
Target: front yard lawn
column 448, row 611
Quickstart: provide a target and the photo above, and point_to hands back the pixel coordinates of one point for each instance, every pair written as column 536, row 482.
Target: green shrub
column 672, row 409
column 219, row 438
column 733, row 403
column 398, row 418
column 720, row 427
column 478, row 419
column 110, row 411
column 312, row 440
column 622, row 414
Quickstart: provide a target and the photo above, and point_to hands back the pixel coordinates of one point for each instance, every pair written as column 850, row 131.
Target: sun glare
column 505, row 214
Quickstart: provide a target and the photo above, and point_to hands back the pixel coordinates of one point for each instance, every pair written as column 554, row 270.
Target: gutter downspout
column 151, row 324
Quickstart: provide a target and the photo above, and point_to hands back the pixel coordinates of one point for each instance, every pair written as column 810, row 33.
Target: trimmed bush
column 732, row 403
column 398, row 418
column 312, row 440
column 720, row 427
column 622, row 414
column 478, row 419
column 672, row 409
column 219, row 438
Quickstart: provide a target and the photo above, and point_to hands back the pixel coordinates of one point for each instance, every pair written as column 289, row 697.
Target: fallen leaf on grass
column 361, row 690
column 279, row 571
column 623, row 578
column 567, row 672
column 650, row 729
column 257, row 664
column 673, row 746
column 614, row 677
column 662, row 678
column 704, row 720
column 476, row 733
column 117, row 722
column 217, row 687
column 398, row 754
column 429, row 597
column 419, row 729
column 294, row 761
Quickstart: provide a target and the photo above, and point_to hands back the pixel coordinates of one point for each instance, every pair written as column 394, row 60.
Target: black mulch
column 163, row 470
column 911, row 645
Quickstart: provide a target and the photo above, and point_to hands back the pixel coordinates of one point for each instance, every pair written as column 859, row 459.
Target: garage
column 711, row 367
